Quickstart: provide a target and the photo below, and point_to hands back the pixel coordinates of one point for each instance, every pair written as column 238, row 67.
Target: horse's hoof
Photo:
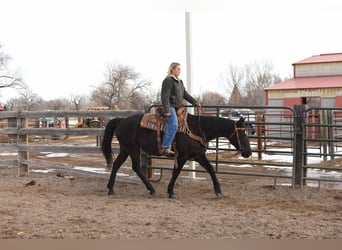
column 172, row 196
column 218, row 195
column 110, row 192
column 153, row 193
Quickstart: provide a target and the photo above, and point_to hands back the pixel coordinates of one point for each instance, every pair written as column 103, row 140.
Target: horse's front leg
column 203, row 160
column 175, row 173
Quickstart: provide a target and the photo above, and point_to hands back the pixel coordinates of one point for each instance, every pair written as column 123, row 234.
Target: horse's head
column 239, row 138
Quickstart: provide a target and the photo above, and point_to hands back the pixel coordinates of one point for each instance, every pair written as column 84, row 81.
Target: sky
column 63, row 47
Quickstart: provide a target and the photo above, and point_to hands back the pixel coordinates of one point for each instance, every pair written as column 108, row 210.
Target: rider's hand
column 167, row 113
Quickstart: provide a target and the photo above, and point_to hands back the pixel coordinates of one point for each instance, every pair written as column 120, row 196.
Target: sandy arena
column 44, row 206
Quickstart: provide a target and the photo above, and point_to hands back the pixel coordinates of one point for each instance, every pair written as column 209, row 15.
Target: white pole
column 188, row 38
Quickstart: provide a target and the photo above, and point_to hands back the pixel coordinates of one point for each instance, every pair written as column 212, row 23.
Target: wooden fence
column 18, row 130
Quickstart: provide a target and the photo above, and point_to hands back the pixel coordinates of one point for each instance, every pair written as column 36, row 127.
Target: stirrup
column 167, row 152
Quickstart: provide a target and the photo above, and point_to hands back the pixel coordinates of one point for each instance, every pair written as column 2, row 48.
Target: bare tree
column 138, row 94
column 247, row 85
column 233, row 76
column 153, row 96
column 233, row 79
column 123, row 85
column 212, row 98
column 77, row 100
column 236, row 97
column 8, row 79
column 57, row 104
column 259, row 75
column 102, row 95
column 27, row 100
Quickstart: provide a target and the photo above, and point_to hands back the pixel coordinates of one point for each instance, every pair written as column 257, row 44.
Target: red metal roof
column 322, row 58
column 309, row 83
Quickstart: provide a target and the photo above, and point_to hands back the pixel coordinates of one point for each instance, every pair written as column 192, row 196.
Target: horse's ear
column 241, row 121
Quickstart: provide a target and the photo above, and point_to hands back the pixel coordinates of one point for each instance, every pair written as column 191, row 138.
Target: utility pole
column 188, row 40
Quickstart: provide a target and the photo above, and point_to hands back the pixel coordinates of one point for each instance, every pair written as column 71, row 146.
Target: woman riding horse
column 172, row 95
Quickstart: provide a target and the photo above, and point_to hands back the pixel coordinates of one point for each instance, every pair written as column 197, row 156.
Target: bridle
column 236, row 132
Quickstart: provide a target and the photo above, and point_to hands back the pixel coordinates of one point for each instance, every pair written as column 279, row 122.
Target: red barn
column 317, row 82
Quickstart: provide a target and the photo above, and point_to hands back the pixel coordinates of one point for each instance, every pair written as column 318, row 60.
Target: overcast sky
column 62, row 47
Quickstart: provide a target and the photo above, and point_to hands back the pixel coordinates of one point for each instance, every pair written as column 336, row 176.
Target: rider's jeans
column 171, row 128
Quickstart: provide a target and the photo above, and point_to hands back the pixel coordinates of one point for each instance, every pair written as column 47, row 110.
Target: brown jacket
column 173, row 93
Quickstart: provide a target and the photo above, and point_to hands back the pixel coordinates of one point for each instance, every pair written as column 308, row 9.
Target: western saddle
column 157, row 122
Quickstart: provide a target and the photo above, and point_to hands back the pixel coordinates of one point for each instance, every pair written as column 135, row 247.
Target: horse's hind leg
column 135, row 156
column 116, row 165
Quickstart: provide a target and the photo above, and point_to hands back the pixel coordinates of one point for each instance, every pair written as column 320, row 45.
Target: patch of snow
column 97, row 170
column 42, row 171
column 196, row 178
column 8, row 154
column 50, row 155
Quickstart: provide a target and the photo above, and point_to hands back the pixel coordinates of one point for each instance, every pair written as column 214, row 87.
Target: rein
column 186, row 130
column 199, row 126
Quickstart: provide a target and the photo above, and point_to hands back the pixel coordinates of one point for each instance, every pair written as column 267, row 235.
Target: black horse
column 132, row 139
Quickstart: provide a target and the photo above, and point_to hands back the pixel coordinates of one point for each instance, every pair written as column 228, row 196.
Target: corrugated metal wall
column 278, row 116
column 328, row 102
column 293, row 93
column 318, row 69
column 276, row 102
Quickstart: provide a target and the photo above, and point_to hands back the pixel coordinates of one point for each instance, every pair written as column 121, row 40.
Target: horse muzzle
column 245, row 153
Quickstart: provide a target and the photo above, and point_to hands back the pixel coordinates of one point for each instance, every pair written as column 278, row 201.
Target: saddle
column 158, row 122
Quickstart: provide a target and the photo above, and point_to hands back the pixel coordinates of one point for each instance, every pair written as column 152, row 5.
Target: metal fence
column 322, row 129
column 297, row 146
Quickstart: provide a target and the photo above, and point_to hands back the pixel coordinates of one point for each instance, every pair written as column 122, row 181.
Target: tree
column 30, row 100
column 248, row 84
column 236, row 97
column 8, row 79
column 259, row 75
column 212, row 98
column 233, row 79
column 27, row 100
column 103, row 97
column 77, row 100
column 57, row 104
column 122, row 86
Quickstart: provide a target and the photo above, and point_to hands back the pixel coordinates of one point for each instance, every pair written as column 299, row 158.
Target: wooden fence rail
column 19, row 131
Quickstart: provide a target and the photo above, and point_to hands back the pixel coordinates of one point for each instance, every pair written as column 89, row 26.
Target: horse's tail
column 106, row 146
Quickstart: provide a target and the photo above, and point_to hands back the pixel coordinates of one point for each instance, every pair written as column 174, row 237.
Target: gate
column 271, row 133
column 322, row 145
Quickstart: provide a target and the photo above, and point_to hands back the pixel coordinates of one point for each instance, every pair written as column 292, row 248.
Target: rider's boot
column 166, row 151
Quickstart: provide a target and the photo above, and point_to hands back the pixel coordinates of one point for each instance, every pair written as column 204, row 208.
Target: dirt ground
column 45, row 206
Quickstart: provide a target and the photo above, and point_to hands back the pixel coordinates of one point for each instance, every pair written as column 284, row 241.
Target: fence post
column 146, row 164
column 22, row 139
column 331, row 135
column 12, row 123
column 324, row 134
column 299, row 145
column 259, row 135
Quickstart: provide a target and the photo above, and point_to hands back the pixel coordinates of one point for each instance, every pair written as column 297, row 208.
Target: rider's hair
column 172, row 67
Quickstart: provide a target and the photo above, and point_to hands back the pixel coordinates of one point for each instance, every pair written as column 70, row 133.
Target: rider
column 172, row 95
